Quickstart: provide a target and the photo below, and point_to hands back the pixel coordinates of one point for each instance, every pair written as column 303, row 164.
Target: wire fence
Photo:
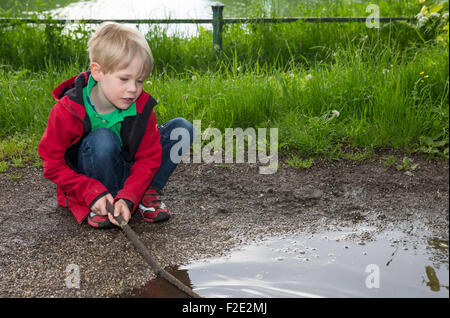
column 217, row 21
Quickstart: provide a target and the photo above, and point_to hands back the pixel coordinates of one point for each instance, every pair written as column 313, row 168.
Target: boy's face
column 120, row 88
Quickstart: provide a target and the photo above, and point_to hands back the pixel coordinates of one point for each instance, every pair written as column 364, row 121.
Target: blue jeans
column 100, row 155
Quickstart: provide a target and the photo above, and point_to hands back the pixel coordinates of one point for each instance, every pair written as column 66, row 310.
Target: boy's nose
column 132, row 87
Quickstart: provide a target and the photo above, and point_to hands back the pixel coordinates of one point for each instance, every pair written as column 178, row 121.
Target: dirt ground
column 215, row 208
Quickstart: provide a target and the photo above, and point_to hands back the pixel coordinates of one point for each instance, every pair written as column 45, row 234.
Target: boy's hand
column 99, row 207
column 120, row 208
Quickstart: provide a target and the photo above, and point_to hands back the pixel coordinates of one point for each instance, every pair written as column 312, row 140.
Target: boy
column 102, row 142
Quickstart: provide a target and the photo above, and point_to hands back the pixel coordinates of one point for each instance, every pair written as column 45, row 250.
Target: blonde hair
column 114, row 46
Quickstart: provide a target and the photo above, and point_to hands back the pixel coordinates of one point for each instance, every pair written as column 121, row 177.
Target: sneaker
column 102, row 221
column 99, row 221
column 152, row 208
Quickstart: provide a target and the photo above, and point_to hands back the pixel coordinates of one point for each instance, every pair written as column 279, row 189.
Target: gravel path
column 215, row 208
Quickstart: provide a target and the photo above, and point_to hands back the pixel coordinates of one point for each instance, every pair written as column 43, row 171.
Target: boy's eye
column 123, row 79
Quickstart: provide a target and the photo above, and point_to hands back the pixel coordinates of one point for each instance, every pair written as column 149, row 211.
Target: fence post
column 217, row 9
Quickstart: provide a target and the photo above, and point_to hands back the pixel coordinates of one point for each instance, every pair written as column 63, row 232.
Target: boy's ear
column 96, row 71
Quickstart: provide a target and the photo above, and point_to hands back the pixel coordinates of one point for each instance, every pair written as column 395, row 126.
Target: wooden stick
column 159, row 271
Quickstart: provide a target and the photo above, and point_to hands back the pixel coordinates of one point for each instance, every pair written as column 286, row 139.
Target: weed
column 225, row 166
column 433, row 147
column 37, row 163
column 3, row 166
column 19, row 148
column 17, row 162
column 407, row 166
column 357, row 155
column 389, row 160
column 15, row 176
column 299, row 163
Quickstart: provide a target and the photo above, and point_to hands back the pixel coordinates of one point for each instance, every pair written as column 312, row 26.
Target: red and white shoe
column 99, row 221
column 152, row 208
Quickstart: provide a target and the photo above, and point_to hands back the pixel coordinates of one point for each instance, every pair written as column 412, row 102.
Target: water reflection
column 439, row 256
column 140, row 9
column 433, row 282
column 136, row 9
column 160, row 288
column 439, row 248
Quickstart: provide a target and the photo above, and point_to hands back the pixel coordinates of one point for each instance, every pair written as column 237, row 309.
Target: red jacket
column 69, row 123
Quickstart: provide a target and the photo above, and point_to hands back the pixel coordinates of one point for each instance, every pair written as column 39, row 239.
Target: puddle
column 347, row 263
column 160, row 288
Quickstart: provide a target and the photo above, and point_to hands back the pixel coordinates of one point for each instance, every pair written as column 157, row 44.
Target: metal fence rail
column 217, row 21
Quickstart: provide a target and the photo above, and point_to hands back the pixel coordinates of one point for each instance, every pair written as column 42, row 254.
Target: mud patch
column 216, row 208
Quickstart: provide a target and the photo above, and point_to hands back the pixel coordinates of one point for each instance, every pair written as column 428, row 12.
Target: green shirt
column 112, row 120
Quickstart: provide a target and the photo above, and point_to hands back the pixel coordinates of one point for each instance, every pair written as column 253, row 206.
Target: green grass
column 389, row 85
column 3, row 166
column 299, row 163
column 18, row 149
column 376, row 108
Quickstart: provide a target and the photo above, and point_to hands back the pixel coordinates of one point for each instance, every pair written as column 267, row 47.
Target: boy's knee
column 180, row 122
column 103, row 143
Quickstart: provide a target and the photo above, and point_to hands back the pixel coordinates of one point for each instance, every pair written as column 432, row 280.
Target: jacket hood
column 69, row 94
column 73, row 88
